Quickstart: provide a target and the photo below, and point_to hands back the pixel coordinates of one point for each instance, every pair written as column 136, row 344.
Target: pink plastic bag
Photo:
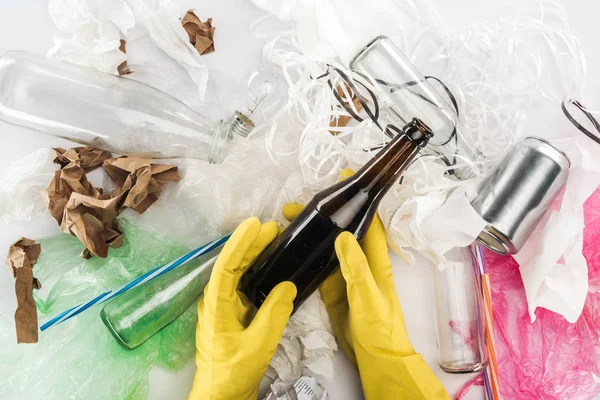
column 549, row 359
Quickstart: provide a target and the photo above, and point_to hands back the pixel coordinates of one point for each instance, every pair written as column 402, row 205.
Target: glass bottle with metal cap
column 111, row 113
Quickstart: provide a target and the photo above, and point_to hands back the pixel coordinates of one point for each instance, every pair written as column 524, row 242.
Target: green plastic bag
column 79, row 359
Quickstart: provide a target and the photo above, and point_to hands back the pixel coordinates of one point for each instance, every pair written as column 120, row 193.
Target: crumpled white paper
column 553, row 269
column 305, row 388
column 429, row 213
column 308, row 341
column 552, row 265
column 94, row 29
column 22, row 187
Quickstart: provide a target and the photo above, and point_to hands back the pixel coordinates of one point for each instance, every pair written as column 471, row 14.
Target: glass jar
column 104, row 111
column 459, row 314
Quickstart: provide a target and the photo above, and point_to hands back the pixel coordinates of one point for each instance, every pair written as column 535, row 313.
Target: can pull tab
column 595, row 136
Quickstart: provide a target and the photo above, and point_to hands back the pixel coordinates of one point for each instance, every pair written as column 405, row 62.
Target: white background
column 25, row 25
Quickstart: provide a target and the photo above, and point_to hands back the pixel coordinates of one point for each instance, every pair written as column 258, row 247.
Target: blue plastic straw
column 73, row 311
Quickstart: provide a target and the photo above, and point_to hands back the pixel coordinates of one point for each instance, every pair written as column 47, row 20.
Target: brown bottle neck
column 382, row 171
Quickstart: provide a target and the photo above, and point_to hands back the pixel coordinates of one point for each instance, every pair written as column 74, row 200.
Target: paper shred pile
column 201, row 34
column 22, row 256
column 89, row 214
column 340, row 121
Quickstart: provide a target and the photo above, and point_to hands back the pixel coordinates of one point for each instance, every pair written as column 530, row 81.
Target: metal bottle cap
column 516, row 195
column 241, row 124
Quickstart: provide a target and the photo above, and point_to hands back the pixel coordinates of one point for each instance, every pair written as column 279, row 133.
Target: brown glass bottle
column 304, row 253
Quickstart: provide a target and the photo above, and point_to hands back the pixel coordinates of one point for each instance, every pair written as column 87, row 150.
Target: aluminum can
column 516, row 195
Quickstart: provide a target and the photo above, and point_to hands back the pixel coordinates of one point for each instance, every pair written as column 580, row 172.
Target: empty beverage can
column 513, row 199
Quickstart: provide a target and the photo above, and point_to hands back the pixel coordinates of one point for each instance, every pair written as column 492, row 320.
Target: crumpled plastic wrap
column 339, row 27
column 161, row 18
column 212, row 199
column 549, row 358
column 23, row 184
column 94, row 29
column 80, row 358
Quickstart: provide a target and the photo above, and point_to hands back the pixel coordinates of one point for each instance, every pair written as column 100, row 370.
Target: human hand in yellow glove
column 365, row 311
column 234, row 350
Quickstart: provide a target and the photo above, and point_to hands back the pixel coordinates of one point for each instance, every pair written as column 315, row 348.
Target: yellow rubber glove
column 365, row 311
column 234, row 350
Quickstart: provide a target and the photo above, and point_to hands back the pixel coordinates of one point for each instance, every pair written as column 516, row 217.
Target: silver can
column 516, row 195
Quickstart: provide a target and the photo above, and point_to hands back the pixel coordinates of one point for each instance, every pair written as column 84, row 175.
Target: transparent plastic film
column 80, row 358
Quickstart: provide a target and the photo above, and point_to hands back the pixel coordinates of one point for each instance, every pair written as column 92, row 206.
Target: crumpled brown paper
column 123, row 68
column 201, row 34
column 85, row 212
column 71, row 177
column 22, row 255
column 139, row 180
column 86, row 157
column 343, row 120
column 94, row 222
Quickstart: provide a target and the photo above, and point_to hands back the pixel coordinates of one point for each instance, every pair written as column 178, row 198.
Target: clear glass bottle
column 304, row 253
column 404, row 93
column 459, row 314
column 138, row 314
column 106, row 111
